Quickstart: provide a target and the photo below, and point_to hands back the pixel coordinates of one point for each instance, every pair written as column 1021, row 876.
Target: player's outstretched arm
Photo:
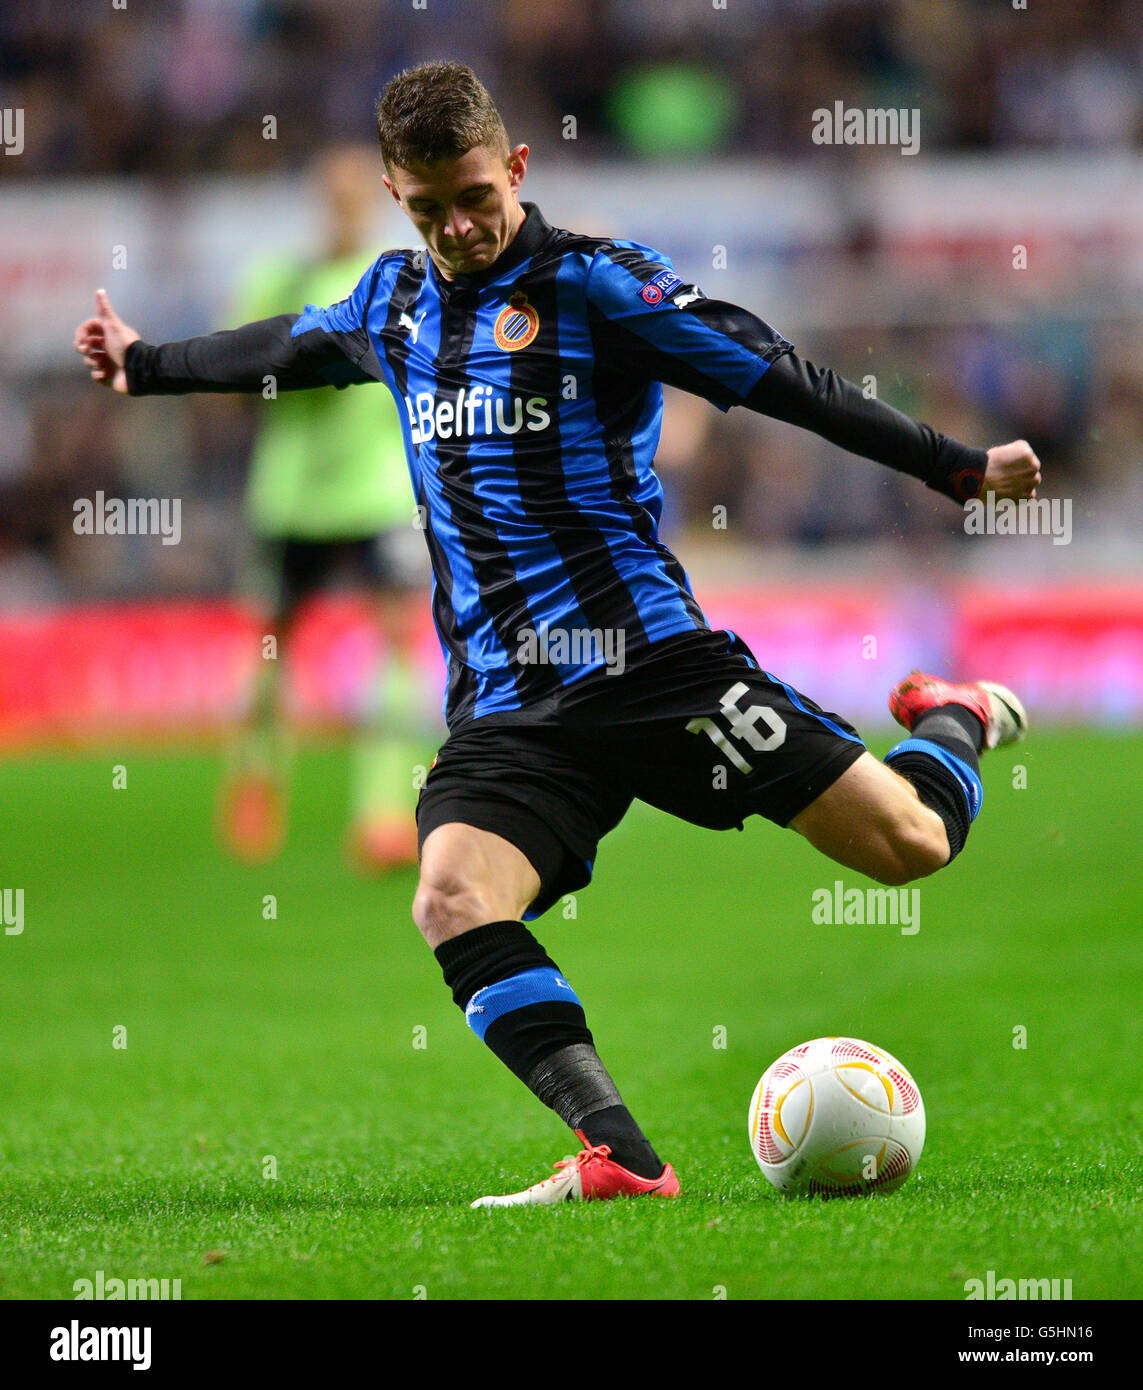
column 671, row 332
column 250, row 358
column 817, row 399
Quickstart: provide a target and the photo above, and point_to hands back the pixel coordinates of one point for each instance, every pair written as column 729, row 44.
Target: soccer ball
column 836, row 1116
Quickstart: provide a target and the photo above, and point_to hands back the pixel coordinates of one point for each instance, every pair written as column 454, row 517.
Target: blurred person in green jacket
column 329, row 501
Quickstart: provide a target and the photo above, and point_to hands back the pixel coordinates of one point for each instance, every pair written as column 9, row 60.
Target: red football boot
column 1001, row 713
column 591, row 1176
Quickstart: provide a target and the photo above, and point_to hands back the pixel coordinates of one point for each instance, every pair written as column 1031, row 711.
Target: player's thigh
column 508, row 797
column 470, row 877
column 871, row 819
column 728, row 741
column 736, row 742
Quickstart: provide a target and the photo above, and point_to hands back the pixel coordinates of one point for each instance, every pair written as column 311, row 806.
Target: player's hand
column 102, row 342
column 1013, row 471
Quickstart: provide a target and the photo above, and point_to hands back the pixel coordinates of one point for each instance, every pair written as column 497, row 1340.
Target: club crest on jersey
column 661, row 285
column 516, row 324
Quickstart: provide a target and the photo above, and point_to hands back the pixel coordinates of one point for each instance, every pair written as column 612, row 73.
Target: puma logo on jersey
column 414, row 327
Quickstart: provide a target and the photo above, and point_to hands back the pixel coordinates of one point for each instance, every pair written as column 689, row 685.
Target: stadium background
column 145, row 131
column 145, row 168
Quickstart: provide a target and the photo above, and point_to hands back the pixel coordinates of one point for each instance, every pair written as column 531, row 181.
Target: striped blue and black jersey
column 531, row 400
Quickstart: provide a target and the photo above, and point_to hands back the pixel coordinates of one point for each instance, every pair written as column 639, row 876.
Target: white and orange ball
column 834, row 1117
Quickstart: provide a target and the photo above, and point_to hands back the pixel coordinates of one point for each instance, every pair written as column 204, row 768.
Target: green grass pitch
column 300, row 1113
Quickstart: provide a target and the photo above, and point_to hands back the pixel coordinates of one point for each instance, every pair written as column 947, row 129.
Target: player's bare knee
column 445, row 905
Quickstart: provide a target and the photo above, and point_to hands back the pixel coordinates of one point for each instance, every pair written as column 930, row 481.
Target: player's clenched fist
column 103, row 342
column 1013, row 471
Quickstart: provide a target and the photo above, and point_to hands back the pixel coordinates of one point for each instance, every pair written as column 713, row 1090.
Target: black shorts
column 697, row 730
column 292, row 570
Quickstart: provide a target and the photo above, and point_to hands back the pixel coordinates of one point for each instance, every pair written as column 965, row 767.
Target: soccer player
column 328, row 499
column 582, row 674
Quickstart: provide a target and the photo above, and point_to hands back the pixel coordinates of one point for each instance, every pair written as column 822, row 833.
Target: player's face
column 467, row 210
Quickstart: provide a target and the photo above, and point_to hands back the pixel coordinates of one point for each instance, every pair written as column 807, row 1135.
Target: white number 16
column 743, row 726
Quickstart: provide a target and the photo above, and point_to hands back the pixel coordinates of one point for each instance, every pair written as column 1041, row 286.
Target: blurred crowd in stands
column 179, row 88
column 175, row 87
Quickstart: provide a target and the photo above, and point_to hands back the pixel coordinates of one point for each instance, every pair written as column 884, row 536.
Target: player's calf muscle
column 914, row 848
column 872, row 820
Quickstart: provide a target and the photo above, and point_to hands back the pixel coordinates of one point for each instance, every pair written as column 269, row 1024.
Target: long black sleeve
column 241, row 359
column 794, row 390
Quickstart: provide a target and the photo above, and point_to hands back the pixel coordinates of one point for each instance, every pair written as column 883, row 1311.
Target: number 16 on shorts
column 743, row 727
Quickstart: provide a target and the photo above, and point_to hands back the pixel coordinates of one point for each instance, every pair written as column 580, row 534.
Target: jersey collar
column 527, row 241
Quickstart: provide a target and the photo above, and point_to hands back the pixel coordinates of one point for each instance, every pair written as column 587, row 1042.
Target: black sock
column 616, row 1127
column 953, row 722
column 951, row 790
column 516, row 1001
